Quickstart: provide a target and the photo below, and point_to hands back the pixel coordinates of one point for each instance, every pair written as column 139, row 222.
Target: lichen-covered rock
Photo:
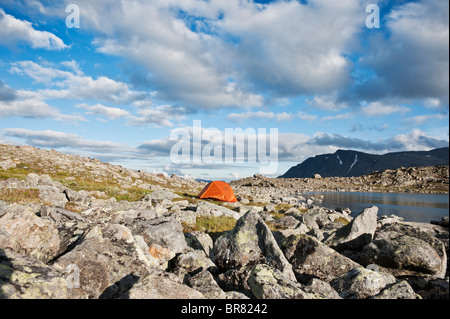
column 24, row 277
column 24, row 232
column 361, row 283
column 399, row 290
column 204, row 282
column 192, row 262
column 161, row 285
column 250, row 242
column 430, row 287
column 209, row 209
column 201, row 240
column 311, row 258
column 104, row 257
column 358, row 233
column 269, row 283
column 322, row 289
column 406, row 250
column 164, row 231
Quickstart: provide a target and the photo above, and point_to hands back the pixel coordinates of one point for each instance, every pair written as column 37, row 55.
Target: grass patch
column 20, row 196
column 214, row 226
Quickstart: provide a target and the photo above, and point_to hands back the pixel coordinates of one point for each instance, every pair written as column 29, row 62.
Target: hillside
column 348, row 163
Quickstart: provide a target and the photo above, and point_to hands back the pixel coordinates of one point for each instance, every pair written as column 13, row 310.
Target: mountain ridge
column 351, row 163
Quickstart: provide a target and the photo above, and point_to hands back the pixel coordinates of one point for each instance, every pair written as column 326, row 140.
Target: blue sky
column 136, row 71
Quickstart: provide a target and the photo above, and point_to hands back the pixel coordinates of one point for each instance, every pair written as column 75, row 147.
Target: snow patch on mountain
column 354, row 162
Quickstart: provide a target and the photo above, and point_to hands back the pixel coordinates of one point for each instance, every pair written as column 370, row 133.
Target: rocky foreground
column 73, row 227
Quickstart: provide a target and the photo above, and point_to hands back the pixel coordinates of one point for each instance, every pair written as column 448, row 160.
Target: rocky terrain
column 76, row 228
column 430, row 179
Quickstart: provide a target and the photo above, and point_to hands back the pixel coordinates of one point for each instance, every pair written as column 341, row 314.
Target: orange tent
column 218, row 190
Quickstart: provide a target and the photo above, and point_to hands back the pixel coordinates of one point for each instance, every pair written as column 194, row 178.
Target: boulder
column 250, row 242
column 25, row 277
column 105, row 256
column 204, row 282
column 358, row 233
column 269, row 283
column 160, row 195
column 164, row 231
column 321, row 289
column 192, row 262
column 399, row 290
column 24, row 232
column 200, row 240
column 209, row 209
column 311, row 258
column 406, row 250
column 361, row 283
column 161, row 285
column 430, row 287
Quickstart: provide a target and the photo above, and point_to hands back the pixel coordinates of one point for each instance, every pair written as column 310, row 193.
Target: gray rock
column 358, row 233
column 201, row 240
column 105, row 256
column 52, row 196
column 209, row 209
column 311, row 258
column 24, row 232
column 406, row 250
column 5, row 165
column 399, row 290
column 322, row 289
column 250, row 242
column 24, row 277
column 192, row 262
column 132, row 216
column 159, row 196
column 286, row 222
column 430, row 287
column 161, row 285
column 361, row 283
column 164, row 231
column 269, row 283
column 204, row 282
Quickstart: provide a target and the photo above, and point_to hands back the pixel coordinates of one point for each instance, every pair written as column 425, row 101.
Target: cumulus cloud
column 224, row 53
column 161, row 115
column 35, row 109
column 411, row 61
column 14, row 31
column 379, row 109
column 112, row 113
column 72, row 84
column 57, row 140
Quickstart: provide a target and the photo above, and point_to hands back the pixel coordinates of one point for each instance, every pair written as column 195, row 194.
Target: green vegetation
column 214, row 226
column 20, row 196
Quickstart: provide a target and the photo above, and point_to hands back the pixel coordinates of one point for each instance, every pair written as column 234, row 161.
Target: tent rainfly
column 218, row 190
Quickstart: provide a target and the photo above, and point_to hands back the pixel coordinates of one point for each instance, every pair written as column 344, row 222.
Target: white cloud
column 55, row 139
column 14, row 31
column 36, row 109
column 74, row 85
column 281, row 117
column 112, row 113
column 224, row 53
column 412, row 62
column 379, row 109
column 421, row 119
column 162, row 115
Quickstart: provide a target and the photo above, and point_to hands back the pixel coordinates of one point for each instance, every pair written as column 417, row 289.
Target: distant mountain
column 346, row 163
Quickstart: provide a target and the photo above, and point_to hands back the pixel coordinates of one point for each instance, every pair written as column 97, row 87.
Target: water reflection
column 412, row 207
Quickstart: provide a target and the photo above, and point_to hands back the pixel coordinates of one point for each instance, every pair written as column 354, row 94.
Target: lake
column 412, row 207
